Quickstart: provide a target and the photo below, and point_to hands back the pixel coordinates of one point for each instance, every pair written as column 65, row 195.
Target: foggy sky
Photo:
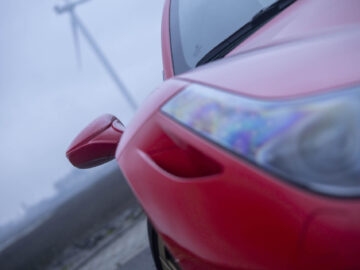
column 45, row 99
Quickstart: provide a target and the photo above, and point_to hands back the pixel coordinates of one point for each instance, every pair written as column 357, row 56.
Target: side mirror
column 97, row 143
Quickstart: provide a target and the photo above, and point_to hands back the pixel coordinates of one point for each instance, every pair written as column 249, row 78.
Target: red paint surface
column 216, row 211
column 302, row 20
column 288, row 70
column 236, row 216
column 97, row 143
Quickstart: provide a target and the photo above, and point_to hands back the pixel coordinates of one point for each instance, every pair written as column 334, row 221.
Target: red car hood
column 313, row 46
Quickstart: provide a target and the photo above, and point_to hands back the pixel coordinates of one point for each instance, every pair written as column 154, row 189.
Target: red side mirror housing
column 97, row 143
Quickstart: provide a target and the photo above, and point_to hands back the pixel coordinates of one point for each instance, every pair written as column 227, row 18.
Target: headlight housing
column 313, row 142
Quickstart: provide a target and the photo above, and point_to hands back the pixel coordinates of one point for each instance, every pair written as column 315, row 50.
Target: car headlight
column 313, row 142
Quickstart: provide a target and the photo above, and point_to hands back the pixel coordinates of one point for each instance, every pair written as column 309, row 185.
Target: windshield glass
column 196, row 27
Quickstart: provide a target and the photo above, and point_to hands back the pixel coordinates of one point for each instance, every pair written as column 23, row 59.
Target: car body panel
column 331, row 239
column 224, row 220
column 238, row 216
column 288, row 70
column 302, row 20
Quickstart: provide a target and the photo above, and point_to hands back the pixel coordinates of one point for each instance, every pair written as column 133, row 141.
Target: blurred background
column 52, row 84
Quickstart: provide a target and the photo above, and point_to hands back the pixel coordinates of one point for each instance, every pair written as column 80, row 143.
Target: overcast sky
column 45, row 99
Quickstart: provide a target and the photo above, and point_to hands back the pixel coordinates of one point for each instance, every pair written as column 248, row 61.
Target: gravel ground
column 143, row 261
column 129, row 252
column 110, row 247
column 102, row 228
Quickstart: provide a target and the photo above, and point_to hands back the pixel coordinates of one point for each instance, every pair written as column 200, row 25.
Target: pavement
column 129, row 251
column 102, row 227
column 122, row 244
column 142, row 261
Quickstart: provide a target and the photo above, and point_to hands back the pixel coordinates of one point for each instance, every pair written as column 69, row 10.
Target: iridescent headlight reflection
column 313, row 142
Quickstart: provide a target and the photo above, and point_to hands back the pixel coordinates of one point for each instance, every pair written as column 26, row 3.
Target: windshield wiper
column 258, row 20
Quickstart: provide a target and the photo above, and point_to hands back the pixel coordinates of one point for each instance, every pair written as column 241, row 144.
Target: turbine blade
column 75, row 32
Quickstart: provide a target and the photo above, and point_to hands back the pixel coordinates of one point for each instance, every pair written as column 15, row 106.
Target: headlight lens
column 314, row 142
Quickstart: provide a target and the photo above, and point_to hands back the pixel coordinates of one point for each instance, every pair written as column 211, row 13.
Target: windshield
column 198, row 26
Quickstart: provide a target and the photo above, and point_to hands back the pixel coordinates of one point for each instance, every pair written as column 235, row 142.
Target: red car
column 248, row 155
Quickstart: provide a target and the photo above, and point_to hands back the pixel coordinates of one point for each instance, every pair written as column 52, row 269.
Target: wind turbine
column 78, row 27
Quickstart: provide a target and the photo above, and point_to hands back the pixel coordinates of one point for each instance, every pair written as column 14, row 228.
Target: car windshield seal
column 258, row 20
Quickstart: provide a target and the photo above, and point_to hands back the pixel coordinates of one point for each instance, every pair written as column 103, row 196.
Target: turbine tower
column 78, row 27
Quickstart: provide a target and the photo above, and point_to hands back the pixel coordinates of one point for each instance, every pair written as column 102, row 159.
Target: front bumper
column 233, row 215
